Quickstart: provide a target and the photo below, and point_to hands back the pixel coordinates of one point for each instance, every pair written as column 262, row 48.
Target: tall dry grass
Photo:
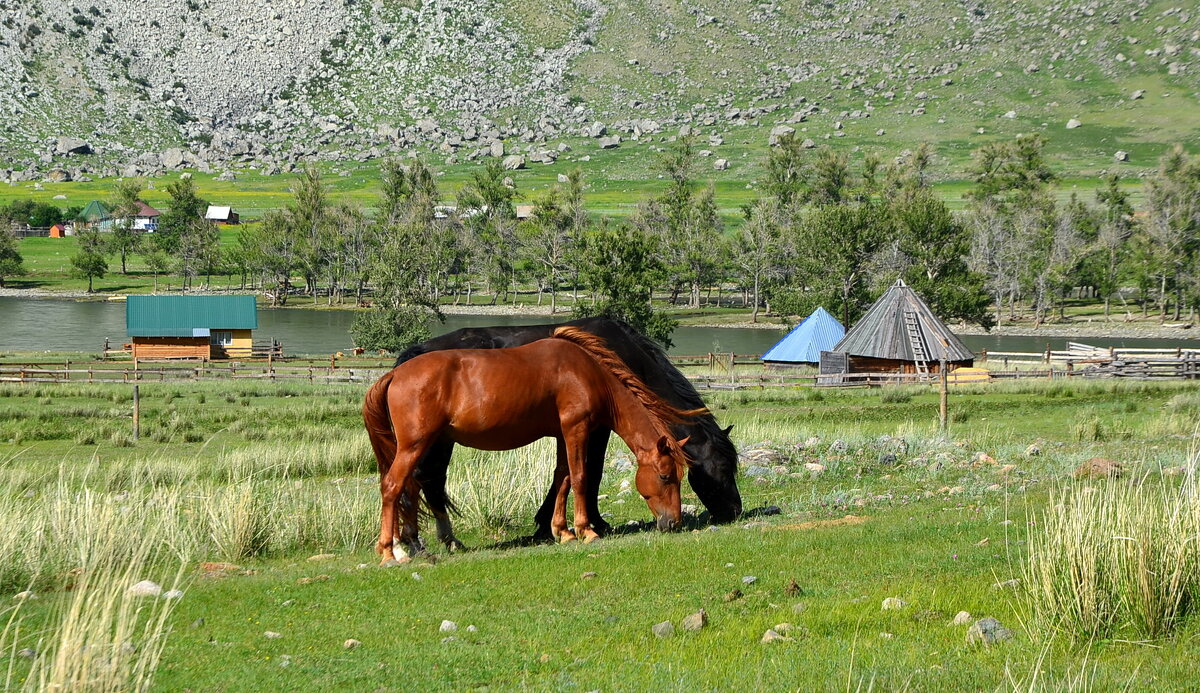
column 1115, row 558
column 98, row 636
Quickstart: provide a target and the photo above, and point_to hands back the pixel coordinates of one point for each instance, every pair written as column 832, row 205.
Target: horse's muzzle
column 667, row 524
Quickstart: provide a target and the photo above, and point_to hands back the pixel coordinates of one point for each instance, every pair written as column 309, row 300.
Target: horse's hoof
column 455, row 546
column 565, row 537
column 589, row 536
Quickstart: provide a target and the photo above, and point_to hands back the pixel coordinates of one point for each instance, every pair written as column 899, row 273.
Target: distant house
column 222, row 215
column 804, row 344
column 58, row 231
column 197, row 327
column 146, row 218
column 96, row 215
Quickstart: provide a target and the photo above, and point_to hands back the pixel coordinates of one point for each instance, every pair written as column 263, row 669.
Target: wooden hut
column 58, row 231
column 899, row 333
column 222, row 216
column 197, row 327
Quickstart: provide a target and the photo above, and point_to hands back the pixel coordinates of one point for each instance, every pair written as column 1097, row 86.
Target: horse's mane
column 660, row 410
column 683, row 389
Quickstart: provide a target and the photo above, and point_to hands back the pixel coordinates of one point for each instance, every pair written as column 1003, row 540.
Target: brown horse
column 501, row 399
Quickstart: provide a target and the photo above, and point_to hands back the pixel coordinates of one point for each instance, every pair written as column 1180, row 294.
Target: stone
column 173, row 594
column 351, row 644
column 663, row 630
column 694, row 622
column 773, row 636
column 779, row 132
column 496, row 149
column 1073, row 123
column 1033, row 450
column 272, row 635
column 814, row 468
column 1121, row 155
column 721, row 165
column 1099, row 468
column 71, row 145
column 987, row 631
column 562, row 178
column 27, row 653
column 24, row 596
column 610, row 142
column 588, row 575
column 514, row 162
column 962, row 618
column 733, row 595
column 596, row 130
column 893, row 604
column 448, row 627
column 749, row 580
column 145, row 588
column 757, row 470
column 808, row 144
column 1007, row 584
column 1137, row 94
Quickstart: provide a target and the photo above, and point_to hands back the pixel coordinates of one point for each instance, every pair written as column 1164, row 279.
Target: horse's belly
column 496, row 438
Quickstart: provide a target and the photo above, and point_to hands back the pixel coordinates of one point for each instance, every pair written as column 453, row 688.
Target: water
column 64, row 325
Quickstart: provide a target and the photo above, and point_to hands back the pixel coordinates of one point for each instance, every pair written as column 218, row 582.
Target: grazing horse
column 713, row 471
column 501, row 399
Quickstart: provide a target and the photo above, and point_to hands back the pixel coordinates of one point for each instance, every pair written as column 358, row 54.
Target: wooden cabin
column 58, row 231
column 222, row 216
column 191, row 327
column 898, row 334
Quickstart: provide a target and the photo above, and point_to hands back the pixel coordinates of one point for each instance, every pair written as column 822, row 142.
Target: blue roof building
column 819, row 332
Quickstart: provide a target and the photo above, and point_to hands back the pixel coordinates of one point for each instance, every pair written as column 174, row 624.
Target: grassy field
column 276, row 481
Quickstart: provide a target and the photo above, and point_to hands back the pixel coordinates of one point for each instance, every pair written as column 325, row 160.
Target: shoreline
column 1089, row 329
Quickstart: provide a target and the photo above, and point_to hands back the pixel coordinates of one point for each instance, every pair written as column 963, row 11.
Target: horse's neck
column 631, row 420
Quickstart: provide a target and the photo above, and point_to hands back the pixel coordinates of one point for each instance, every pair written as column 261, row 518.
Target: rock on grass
column 145, row 588
column 448, row 627
column 962, row 618
column 987, row 631
column 663, row 630
column 893, row 603
column 351, row 644
column 696, row 621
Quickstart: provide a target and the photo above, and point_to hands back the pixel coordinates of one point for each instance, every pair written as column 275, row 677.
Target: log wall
column 171, row 348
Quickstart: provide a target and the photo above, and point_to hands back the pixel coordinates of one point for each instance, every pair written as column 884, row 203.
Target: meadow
column 259, row 503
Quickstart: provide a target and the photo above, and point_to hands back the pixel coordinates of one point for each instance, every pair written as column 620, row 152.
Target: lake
column 35, row 324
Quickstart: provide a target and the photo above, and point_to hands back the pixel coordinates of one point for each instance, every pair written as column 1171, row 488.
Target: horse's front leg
column 597, row 447
column 559, row 487
column 576, row 444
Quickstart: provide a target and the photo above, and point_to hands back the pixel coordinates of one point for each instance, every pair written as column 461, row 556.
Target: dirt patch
column 821, row 524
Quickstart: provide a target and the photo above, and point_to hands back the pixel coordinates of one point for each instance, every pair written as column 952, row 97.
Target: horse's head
column 713, row 474
column 658, row 477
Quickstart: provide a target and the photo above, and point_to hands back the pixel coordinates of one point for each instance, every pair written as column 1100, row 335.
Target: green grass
column 540, row 624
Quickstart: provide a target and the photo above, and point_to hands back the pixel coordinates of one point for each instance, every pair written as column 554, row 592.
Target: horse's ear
column 684, row 441
column 727, row 430
column 664, row 446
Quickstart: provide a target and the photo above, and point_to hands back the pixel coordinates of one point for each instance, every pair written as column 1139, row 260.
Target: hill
column 106, row 87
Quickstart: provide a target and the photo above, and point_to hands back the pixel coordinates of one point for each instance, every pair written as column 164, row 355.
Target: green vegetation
column 265, row 475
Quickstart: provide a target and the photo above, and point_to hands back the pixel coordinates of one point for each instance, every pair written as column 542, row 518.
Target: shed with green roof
column 198, row 327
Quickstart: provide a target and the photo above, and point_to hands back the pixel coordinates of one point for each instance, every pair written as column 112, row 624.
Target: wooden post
column 137, row 412
column 1047, row 352
column 983, row 355
column 944, row 394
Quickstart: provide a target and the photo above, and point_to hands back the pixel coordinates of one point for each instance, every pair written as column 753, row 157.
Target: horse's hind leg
column 398, row 483
column 431, row 472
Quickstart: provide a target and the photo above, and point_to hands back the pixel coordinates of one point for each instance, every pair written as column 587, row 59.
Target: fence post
column 137, row 412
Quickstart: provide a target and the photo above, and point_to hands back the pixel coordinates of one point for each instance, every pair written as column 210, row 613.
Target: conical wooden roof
column 882, row 332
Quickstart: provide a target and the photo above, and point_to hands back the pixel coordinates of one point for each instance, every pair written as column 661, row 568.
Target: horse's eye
column 664, row 477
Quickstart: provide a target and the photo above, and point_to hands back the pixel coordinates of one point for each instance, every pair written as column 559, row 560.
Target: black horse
column 713, row 473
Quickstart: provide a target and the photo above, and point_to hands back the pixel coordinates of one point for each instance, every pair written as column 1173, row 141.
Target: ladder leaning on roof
column 917, row 340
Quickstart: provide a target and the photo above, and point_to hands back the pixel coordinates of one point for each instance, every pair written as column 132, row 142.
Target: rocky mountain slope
column 110, row 87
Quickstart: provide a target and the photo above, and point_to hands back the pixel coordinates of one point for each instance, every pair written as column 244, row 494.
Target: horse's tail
column 379, row 423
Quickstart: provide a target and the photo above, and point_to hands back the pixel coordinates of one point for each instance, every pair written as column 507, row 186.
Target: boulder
column 1098, row 468
column 721, row 164
column 1073, row 123
column 1121, row 155
column 71, row 145
column 987, row 632
column 496, row 149
column 779, row 132
column 514, row 162
column 610, row 142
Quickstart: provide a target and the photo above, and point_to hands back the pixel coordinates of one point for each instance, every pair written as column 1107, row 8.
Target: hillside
column 93, row 88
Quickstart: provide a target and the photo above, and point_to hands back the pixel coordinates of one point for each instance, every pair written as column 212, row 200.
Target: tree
column 1173, row 224
column 546, row 240
column 621, row 265
column 935, row 246
column 158, row 262
column 486, row 204
column 276, row 247
column 390, row 329
column 836, row 244
column 89, row 263
column 757, row 248
column 309, row 214
column 124, row 239
column 185, row 209
column 10, row 260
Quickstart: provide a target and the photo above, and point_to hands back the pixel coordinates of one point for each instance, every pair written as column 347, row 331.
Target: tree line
column 828, row 230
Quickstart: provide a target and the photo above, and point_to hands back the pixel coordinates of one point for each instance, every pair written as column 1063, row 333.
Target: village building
column 58, row 231
column 819, row 332
column 224, row 216
column 898, row 334
column 196, row 327
column 146, row 218
column 96, row 215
